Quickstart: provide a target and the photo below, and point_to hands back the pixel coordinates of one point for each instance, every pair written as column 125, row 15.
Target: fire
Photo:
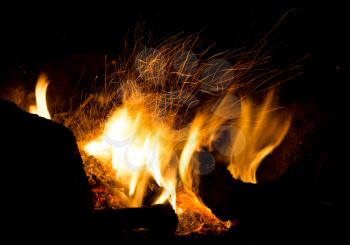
column 158, row 114
column 40, row 96
column 262, row 130
column 135, row 146
column 194, row 216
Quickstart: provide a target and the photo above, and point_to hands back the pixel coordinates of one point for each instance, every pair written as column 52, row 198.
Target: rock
column 42, row 176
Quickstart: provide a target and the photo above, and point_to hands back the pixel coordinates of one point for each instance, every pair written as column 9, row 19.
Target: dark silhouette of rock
column 43, row 184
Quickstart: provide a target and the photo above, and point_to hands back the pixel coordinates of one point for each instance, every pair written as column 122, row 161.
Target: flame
column 137, row 127
column 40, row 96
column 140, row 145
column 137, row 148
column 256, row 129
column 262, row 130
column 192, row 144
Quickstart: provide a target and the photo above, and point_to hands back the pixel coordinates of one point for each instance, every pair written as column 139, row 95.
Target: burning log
column 159, row 220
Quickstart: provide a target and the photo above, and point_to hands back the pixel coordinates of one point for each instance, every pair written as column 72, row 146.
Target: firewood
column 159, row 220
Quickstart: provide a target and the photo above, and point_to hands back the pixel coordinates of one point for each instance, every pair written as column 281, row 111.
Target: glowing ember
column 194, row 216
column 151, row 123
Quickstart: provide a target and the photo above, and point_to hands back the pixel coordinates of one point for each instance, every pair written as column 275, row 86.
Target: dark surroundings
column 307, row 202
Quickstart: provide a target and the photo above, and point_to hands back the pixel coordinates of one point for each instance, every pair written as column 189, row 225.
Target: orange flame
column 144, row 136
column 138, row 149
column 139, row 145
column 252, row 134
column 40, row 96
column 140, row 139
column 262, row 130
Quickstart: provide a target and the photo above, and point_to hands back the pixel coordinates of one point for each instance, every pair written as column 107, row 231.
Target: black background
column 45, row 32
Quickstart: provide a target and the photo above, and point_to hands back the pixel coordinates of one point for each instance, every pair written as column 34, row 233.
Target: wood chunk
column 157, row 220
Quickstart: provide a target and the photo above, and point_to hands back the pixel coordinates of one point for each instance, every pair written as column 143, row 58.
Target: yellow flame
column 139, row 145
column 262, row 130
column 40, row 96
column 253, row 134
column 137, row 150
column 192, row 144
column 149, row 135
